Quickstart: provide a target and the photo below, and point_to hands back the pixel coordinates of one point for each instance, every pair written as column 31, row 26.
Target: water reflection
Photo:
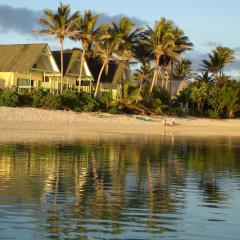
column 120, row 189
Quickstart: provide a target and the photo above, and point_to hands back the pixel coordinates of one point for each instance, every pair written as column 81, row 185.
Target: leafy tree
column 161, row 41
column 105, row 50
column 87, row 34
column 219, row 58
column 60, row 25
column 199, row 95
column 183, row 71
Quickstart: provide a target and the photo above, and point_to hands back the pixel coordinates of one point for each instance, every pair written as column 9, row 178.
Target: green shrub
column 70, row 99
column 52, row 101
column 105, row 101
column 78, row 109
column 113, row 110
column 212, row 114
column 25, row 99
column 162, row 94
column 9, row 98
column 38, row 99
column 87, row 103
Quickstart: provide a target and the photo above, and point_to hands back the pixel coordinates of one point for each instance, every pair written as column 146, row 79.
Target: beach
column 38, row 124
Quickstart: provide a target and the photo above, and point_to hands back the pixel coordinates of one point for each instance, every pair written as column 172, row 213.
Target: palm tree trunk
column 171, row 77
column 61, row 42
column 140, row 89
column 81, row 70
column 98, row 81
column 163, row 76
column 155, row 76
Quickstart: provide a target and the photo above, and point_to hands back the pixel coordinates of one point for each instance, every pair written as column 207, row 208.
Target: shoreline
column 28, row 124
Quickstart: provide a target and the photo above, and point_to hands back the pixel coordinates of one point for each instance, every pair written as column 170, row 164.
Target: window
column 23, row 82
column 46, row 79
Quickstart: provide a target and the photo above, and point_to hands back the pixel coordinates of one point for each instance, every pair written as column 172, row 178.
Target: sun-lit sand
column 29, row 123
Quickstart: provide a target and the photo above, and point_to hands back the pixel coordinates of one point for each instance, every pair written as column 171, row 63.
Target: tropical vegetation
column 158, row 52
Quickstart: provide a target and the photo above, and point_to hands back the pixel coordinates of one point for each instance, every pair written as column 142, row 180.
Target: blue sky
column 207, row 22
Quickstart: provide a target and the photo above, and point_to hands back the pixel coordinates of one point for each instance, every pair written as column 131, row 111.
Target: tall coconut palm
column 88, row 32
column 219, row 58
column 105, row 50
column 161, row 41
column 127, row 32
column 142, row 74
column 182, row 44
column 60, row 25
column 183, row 71
column 204, row 77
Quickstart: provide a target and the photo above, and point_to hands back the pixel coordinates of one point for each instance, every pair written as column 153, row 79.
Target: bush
column 87, row 103
column 113, row 110
column 162, row 94
column 25, row 99
column 52, row 101
column 105, row 101
column 70, row 99
column 212, row 114
column 38, row 99
column 9, row 98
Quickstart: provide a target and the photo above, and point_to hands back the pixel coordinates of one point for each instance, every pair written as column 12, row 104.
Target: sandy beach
column 37, row 124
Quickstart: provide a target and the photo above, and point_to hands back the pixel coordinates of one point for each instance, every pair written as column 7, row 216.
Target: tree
column 183, row 71
column 161, row 41
column 87, row 34
column 144, row 73
column 105, row 50
column 219, row 58
column 199, row 95
column 182, row 44
column 60, row 25
column 205, row 77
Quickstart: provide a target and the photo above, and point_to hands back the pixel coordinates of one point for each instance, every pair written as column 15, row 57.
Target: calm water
column 125, row 188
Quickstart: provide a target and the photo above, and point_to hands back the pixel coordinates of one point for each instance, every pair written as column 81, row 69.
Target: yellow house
column 25, row 67
column 71, row 70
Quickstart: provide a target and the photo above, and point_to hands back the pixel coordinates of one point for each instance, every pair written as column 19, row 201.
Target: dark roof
column 115, row 72
column 69, row 59
column 19, row 57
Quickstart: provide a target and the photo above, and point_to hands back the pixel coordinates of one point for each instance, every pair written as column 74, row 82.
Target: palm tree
column 219, row 58
column 105, row 49
column 161, row 41
column 143, row 73
column 60, row 25
column 183, row 70
column 87, row 34
column 182, row 44
column 127, row 32
column 128, row 35
column 204, row 77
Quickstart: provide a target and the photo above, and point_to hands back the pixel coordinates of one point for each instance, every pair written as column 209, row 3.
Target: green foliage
column 38, row 99
column 87, row 103
column 212, row 114
column 25, row 99
column 8, row 98
column 69, row 99
column 51, row 101
column 199, row 95
column 105, row 102
column 113, row 110
column 162, row 94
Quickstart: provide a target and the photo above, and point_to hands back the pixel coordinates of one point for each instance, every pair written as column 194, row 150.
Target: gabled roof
column 117, row 71
column 71, row 62
column 19, row 57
